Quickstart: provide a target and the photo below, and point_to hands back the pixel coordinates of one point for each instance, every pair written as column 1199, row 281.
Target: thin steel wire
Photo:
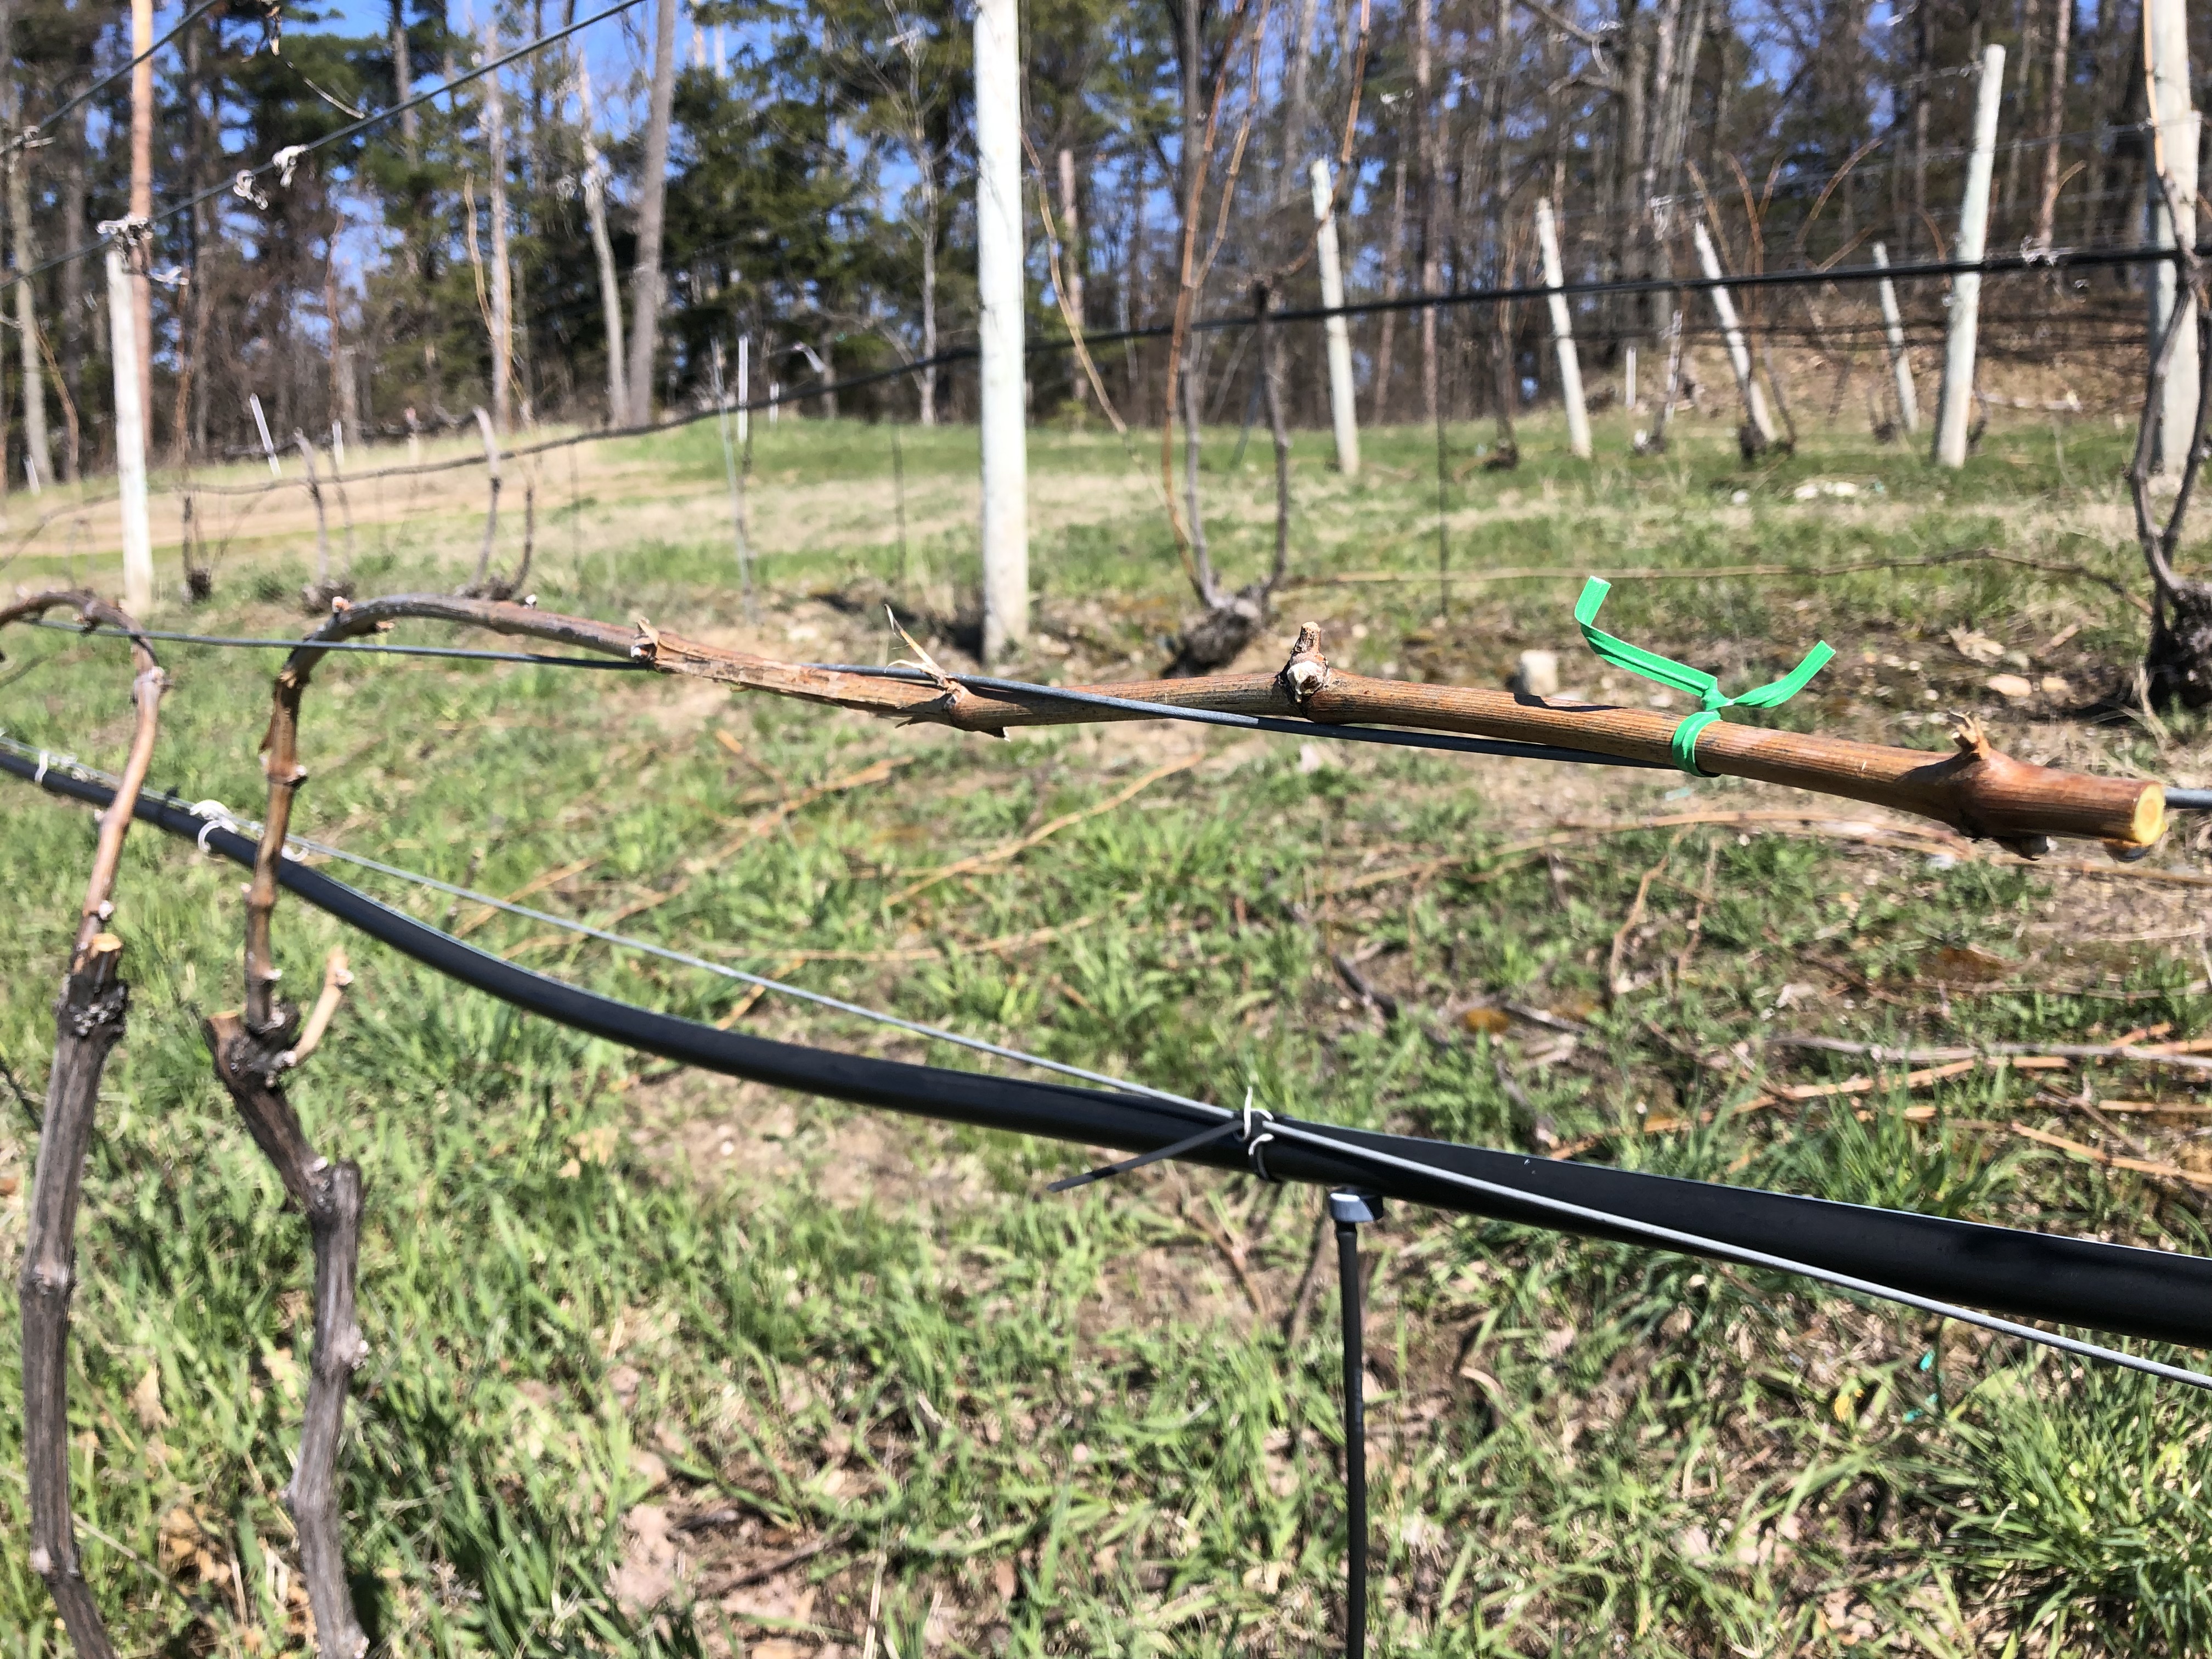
column 1449, row 743
column 1269, row 1125
column 30, row 130
column 1698, row 1245
column 1996, row 264
column 295, row 154
column 1389, row 735
column 215, row 810
column 534, row 658
column 2176, row 801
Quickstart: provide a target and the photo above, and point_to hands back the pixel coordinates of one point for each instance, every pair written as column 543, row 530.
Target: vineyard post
column 1336, row 332
column 999, row 250
column 268, row 445
column 1563, row 333
column 1955, row 412
column 1759, row 426
column 1900, row 366
column 2175, row 130
column 130, row 427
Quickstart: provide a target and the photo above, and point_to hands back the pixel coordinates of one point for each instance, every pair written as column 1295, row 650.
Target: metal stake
column 1349, row 1210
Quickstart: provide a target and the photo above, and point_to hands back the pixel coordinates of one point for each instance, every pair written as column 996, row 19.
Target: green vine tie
column 1683, row 678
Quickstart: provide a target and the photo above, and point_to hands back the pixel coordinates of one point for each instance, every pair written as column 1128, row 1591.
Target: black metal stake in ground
column 1349, row 1210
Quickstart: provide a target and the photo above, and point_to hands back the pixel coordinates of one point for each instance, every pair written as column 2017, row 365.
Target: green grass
column 887, row 1335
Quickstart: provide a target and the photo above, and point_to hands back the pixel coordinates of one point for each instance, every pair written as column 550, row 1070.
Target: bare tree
column 1070, row 266
column 1428, row 155
column 603, row 247
column 1206, row 70
column 2054, row 121
column 502, row 272
column 1298, row 55
column 652, row 204
column 141, row 187
column 403, row 76
column 24, row 240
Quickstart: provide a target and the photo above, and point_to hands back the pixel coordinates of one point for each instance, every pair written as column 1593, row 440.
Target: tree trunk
column 338, row 356
column 1299, row 55
column 403, row 79
column 74, row 234
column 142, row 187
column 192, row 398
column 1394, row 253
column 502, row 278
column 1425, row 126
column 1924, row 65
column 653, row 197
column 603, row 248
column 2054, row 119
column 2179, row 665
column 24, row 238
column 1071, row 254
column 927, row 392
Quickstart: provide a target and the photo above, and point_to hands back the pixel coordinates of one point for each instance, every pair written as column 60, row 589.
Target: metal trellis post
column 1351, row 1210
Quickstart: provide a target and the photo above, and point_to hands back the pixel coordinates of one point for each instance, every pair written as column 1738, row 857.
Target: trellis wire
column 1265, row 1123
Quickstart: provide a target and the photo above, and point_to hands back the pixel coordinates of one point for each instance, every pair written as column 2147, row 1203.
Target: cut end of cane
column 2149, row 822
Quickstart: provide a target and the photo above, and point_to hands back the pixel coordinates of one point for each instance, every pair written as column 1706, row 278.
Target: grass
column 635, row 1335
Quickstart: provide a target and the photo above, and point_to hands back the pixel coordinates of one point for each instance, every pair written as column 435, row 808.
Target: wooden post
column 1337, row 332
column 998, row 284
column 1563, row 333
column 1900, row 366
column 1754, row 403
column 2174, row 139
column 129, row 435
column 1954, row 414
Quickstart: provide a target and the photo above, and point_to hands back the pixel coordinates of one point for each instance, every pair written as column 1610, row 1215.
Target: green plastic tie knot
column 1681, row 676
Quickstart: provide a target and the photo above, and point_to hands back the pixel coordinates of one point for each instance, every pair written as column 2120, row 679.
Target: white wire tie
column 244, row 188
column 218, row 817
column 39, row 778
column 1254, row 1142
column 285, row 160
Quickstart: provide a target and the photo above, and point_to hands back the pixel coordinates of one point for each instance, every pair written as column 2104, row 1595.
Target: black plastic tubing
column 2080, row 1282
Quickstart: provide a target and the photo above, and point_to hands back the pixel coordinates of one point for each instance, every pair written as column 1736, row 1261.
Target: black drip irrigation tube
column 2103, row 1287
column 2117, row 1289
